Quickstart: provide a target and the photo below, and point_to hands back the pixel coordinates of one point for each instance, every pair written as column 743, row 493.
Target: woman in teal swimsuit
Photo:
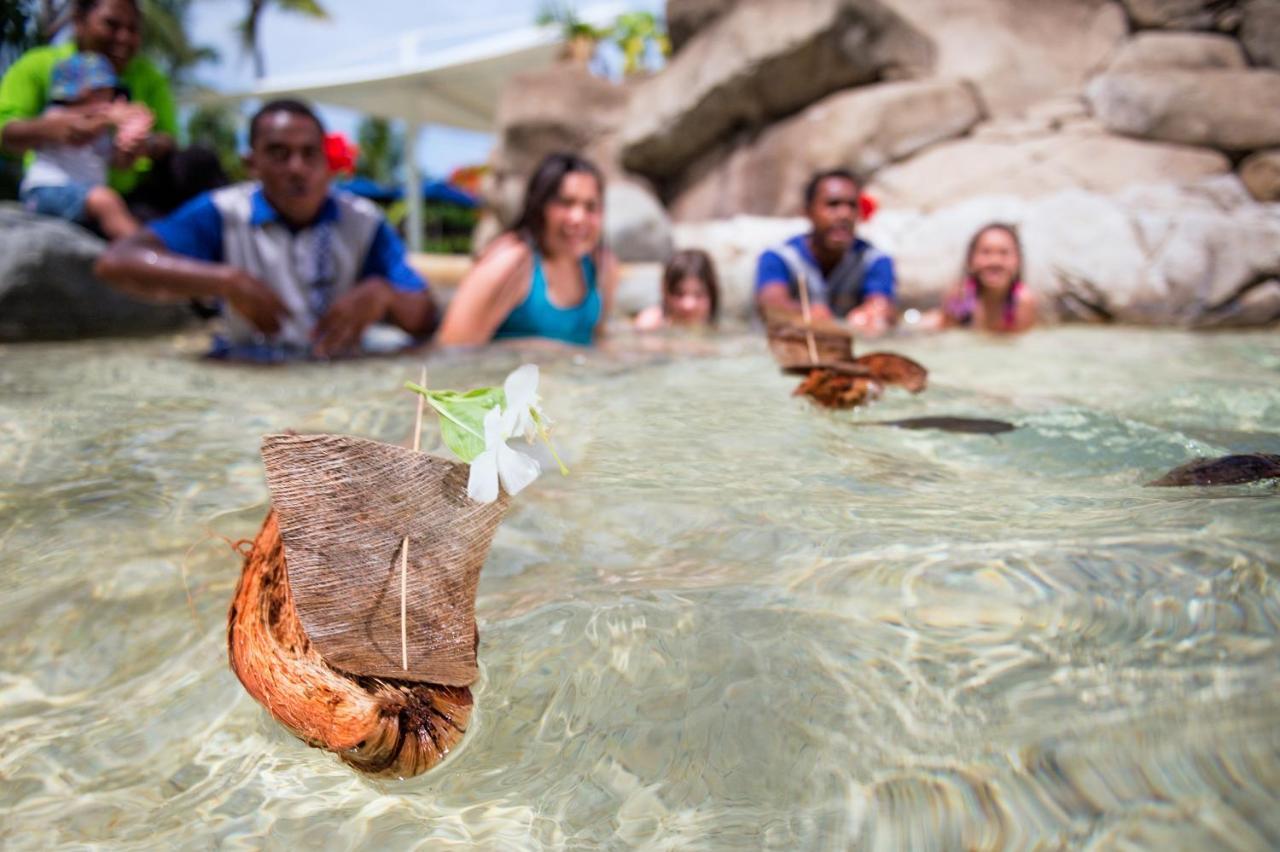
column 546, row 277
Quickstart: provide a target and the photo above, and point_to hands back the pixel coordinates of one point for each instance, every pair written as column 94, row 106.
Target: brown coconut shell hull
column 382, row 727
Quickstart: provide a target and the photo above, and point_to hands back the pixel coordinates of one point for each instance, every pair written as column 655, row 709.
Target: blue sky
column 365, row 30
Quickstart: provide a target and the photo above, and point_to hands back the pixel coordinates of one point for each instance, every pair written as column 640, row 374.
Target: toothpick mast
column 808, row 317
column 404, row 543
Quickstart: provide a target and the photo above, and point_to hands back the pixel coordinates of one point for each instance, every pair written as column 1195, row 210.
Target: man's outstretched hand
column 254, row 301
column 339, row 330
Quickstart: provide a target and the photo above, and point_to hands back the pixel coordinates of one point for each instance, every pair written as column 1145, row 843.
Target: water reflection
column 741, row 622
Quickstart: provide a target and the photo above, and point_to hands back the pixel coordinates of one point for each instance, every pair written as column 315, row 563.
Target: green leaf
column 462, row 416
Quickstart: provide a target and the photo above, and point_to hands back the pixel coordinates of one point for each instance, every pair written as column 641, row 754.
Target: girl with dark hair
column 690, row 293
column 992, row 296
column 546, row 277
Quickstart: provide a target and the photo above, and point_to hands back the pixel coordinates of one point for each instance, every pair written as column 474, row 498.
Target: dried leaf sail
column 345, row 504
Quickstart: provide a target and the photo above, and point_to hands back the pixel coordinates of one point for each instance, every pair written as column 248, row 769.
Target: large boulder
column 686, row 17
column 862, row 129
column 1017, row 52
column 1235, row 111
column 1184, row 14
column 1260, row 32
column 1035, row 162
column 762, row 61
column 1260, row 173
column 1155, row 49
column 47, row 288
column 560, row 108
column 636, row 226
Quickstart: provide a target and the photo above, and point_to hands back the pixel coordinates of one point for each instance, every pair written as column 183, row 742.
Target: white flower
column 498, row 461
column 521, row 389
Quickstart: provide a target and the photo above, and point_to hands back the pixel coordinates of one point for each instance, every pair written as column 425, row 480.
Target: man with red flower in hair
column 844, row 276
column 296, row 268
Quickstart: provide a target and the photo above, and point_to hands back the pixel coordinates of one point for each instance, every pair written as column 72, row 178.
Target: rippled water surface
column 741, row 622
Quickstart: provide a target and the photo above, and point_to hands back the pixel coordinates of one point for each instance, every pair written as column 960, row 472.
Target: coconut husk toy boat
column 821, row 350
column 353, row 623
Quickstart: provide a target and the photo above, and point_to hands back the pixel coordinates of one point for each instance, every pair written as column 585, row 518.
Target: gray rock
column 1038, row 163
column 1260, row 173
column 560, row 108
column 636, row 226
column 1184, row 14
column 1257, row 305
column 1018, row 52
column 862, row 129
column 686, row 17
column 1260, row 32
column 1234, row 111
column 1151, row 50
column 757, row 63
column 47, row 288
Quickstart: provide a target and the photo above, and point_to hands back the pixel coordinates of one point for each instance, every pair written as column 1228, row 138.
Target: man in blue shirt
column 298, row 269
column 845, row 277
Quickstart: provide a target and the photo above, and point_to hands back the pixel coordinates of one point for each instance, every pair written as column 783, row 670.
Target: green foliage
column 566, row 16
column 446, row 228
column 633, row 32
column 462, row 416
column 166, row 42
column 381, row 149
column 215, row 126
column 18, row 29
column 247, row 27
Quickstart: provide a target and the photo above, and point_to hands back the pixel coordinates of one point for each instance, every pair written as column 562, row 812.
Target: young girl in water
column 690, row 294
column 992, row 296
column 548, row 276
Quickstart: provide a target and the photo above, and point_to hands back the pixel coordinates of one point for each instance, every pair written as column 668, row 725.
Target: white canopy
column 458, row 85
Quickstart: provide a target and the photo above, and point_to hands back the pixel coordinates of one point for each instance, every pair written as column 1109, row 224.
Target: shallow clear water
column 741, row 622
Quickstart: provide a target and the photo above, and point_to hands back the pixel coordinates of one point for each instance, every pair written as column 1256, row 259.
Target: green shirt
column 24, row 93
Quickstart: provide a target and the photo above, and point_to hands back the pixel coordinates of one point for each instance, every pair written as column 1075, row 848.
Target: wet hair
column 696, row 263
column 544, row 185
column 283, row 105
column 84, row 7
column 1011, row 230
column 811, row 188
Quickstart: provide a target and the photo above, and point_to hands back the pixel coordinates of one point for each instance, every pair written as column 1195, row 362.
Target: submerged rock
column 962, row 425
column 1227, row 470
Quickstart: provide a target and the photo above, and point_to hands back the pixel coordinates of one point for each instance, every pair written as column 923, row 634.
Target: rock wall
column 1089, row 109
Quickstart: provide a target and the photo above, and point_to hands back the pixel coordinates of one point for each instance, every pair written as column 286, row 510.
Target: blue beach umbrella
column 371, row 189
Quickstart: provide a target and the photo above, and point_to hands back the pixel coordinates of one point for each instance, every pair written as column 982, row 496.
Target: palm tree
column 381, row 149
column 248, row 26
column 166, row 42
